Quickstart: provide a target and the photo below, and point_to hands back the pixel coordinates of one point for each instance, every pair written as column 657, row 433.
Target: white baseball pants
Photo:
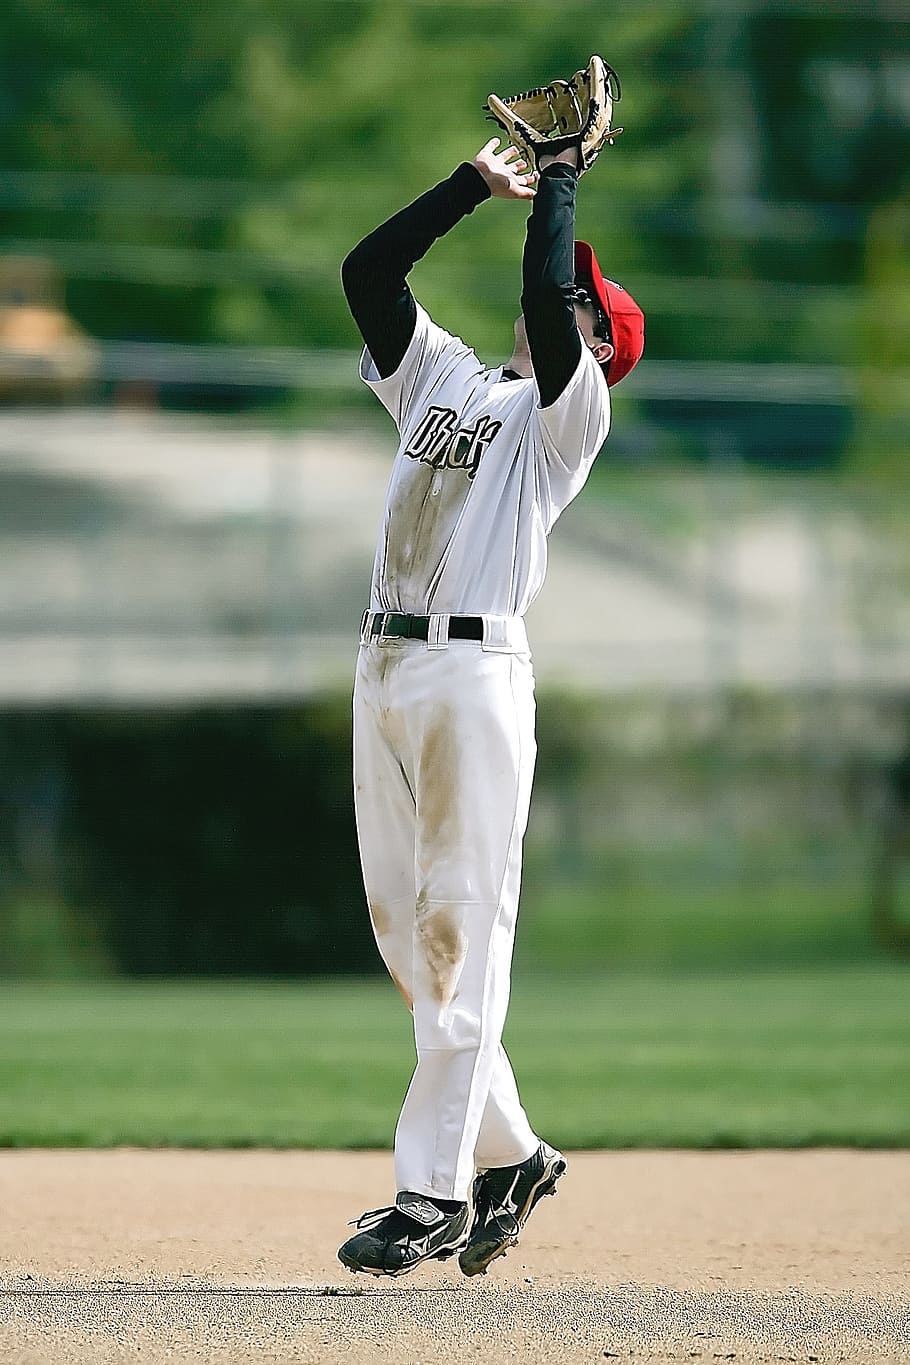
column 444, row 756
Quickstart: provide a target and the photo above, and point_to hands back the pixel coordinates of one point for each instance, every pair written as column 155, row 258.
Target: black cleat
column 396, row 1240
column 504, row 1198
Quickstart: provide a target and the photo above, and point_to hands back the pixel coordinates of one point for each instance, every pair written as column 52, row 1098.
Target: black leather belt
column 404, row 626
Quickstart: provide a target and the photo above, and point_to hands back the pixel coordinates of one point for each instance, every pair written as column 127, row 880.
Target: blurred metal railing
column 290, row 367
column 148, row 555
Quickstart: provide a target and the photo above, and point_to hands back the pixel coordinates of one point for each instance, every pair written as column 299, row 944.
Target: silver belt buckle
column 367, row 622
column 381, row 637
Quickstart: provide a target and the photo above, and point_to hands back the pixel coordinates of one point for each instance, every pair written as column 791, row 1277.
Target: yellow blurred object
column 44, row 354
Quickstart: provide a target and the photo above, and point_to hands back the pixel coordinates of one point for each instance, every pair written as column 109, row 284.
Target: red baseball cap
column 627, row 321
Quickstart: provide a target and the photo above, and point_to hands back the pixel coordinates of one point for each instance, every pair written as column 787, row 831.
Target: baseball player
column 444, row 743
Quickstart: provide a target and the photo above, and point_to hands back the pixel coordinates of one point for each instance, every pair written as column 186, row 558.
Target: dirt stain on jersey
column 444, row 945
column 422, row 518
column 403, row 529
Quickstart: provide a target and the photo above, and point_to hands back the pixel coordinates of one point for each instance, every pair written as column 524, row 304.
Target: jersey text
column 439, row 443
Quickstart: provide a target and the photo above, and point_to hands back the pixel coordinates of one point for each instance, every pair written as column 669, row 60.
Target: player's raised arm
column 375, row 273
column 548, row 278
column 561, row 128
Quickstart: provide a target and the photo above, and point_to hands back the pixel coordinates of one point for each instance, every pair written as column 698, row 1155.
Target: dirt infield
column 660, row 1256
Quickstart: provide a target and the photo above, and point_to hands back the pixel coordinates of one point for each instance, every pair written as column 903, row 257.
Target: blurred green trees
column 244, row 147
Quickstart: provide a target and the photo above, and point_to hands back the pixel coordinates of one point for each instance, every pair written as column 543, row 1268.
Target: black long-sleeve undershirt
column 548, row 277
column 374, row 274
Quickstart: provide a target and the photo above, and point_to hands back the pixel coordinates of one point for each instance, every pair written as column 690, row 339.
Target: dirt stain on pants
column 444, row 947
column 382, row 924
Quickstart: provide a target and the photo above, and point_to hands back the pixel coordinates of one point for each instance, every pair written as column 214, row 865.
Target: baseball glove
column 573, row 113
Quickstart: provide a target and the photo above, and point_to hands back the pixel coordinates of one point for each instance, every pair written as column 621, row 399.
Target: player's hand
column 506, row 174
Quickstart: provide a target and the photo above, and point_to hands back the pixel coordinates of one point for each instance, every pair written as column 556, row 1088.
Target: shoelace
column 489, row 1209
column 372, row 1217
column 405, row 1239
column 503, row 1217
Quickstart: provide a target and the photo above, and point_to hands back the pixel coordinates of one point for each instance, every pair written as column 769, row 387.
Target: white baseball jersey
column 481, row 475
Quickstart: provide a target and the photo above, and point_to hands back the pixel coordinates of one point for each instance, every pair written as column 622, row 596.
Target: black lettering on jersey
column 432, row 435
column 440, row 444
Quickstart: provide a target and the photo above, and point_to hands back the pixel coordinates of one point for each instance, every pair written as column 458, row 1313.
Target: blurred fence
column 151, row 556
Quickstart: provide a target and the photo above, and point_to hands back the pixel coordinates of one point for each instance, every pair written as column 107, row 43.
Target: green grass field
column 769, row 1059
column 763, row 923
